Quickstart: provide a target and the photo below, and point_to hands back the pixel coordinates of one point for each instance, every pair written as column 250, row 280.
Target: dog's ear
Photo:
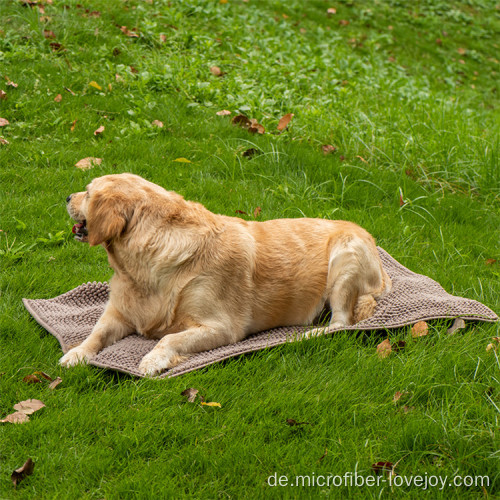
column 107, row 216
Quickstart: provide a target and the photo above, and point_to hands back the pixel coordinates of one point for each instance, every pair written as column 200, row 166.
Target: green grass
column 409, row 114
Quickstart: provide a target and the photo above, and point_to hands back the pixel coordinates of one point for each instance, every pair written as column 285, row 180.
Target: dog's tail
column 366, row 304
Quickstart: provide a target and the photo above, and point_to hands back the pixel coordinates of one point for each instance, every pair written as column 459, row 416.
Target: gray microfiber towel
column 71, row 317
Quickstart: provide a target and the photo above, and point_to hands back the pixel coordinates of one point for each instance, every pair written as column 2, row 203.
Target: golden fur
column 197, row 280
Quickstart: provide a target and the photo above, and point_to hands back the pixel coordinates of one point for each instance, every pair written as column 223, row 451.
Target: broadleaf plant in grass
column 405, row 93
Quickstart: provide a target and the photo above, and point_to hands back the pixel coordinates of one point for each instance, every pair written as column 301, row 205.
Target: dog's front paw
column 155, row 362
column 75, row 356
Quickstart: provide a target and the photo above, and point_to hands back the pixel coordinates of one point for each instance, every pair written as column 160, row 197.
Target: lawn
column 406, row 95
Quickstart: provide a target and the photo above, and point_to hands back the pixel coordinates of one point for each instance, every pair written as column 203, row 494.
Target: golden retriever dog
column 197, row 280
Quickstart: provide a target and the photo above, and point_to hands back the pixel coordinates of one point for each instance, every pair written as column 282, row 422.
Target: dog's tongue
column 76, row 228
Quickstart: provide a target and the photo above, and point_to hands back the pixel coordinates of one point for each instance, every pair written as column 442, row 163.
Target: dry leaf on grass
column 240, row 212
column 256, row 127
column 223, row 112
column 31, row 379
column 257, row 212
column 130, row 33
column 458, row 324
column 3, row 95
column 462, row 51
column 331, row 11
column 398, row 395
column 251, row 152
column 3, row 141
column 23, row 409
column 328, row 148
column 490, row 262
column 212, row 404
column 58, row 98
column 73, row 125
column 3, row 122
column 100, row 130
column 88, row 162
column 420, row 329
column 10, row 83
column 29, row 406
column 215, row 70
column 157, row 123
column 284, row 121
column 55, row 383
column 95, row 85
column 190, row 394
column 242, row 121
column 49, row 34
column 494, row 345
column 25, row 470
column 16, row 418
column 384, row 349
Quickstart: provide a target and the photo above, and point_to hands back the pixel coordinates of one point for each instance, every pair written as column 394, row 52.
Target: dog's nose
column 68, row 199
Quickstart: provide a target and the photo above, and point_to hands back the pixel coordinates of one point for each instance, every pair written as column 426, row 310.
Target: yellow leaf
column 95, row 85
column 182, row 160
column 211, row 404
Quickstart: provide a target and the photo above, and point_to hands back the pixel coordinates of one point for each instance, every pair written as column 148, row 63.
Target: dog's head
column 111, row 206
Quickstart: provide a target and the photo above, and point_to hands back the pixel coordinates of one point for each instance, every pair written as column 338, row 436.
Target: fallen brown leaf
column 284, row 121
column 458, row 324
column 343, row 22
column 223, row 112
column 361, row 158
column 323, row 456
column 331, row 11
column 240, row 212
column 3, row 141
column 3, row 95
column 29, row 406
column 10, row 83
column 56, row 46
column 16, row 418
column 25, row 470
column 73, row 125
column 328, row 148
column 157, row 123
column 420, row 329
column 398, row 395
column 99, row 131
column 257, row 212
column 88, row 162
column 31, row 379
column 251, row 152
column 130, row 33
column 55, row 383
column 190, row 394
column 163, row 38
column 58, row 98
column 256, row 127
column 462, row 51
column 494, row 345
column 49, row 34
column 384, row 349
column 3, row 122
column 242, row 121
column 490, row 262
column 215, row 70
